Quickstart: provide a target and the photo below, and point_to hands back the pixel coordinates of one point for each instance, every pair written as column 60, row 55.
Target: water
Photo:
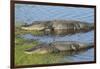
column 29, row 13
column 80, row 37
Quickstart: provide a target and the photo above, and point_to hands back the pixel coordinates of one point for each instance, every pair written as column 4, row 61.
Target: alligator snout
column 57, row 47
column 60, row 27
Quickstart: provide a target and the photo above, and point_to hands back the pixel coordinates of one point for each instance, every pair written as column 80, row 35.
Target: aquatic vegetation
column 21, row 58
column 22, row 44
column 45, row 28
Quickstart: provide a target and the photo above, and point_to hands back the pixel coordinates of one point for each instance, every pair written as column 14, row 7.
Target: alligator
column 59, row 27
column 59, row 46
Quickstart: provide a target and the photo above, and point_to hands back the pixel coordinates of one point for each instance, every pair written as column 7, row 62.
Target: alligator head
column 57, row 47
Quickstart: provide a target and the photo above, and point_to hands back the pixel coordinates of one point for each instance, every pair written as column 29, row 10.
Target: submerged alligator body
column 59, row 46
column 59, row 27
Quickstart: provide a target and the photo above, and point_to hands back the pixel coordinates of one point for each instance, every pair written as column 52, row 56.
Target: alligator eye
column 73, row 47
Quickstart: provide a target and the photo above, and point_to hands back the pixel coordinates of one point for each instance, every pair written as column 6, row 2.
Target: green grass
column 21, row 58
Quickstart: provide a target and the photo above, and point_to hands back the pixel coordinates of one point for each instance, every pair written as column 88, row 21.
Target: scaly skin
column 60, row 27
column 59, row 46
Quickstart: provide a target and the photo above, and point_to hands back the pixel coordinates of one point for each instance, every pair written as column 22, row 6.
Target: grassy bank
column 21, row 44
column 21, row 58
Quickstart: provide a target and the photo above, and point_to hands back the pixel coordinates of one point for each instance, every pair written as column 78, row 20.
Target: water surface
column 29, row 13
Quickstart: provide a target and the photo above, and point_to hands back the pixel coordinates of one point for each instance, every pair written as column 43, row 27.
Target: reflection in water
column 66, row 57
column 77, row 37
column 85, row 55
column 30, row 13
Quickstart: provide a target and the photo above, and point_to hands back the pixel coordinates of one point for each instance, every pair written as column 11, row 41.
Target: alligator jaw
column 68, row 47
column 60, row 27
